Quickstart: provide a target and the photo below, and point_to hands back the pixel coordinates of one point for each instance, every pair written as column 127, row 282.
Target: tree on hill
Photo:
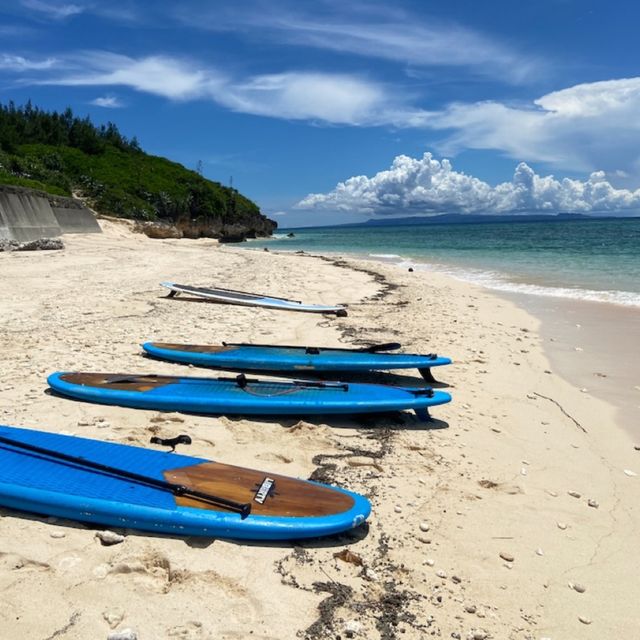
column 61, row 153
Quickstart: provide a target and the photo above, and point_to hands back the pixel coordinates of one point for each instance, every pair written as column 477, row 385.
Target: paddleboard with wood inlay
column 242, row 395
column 120, row 485
column 273, row 357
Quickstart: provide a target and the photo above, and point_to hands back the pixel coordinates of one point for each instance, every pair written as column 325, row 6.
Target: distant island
column 465, row 218
column 64, row 155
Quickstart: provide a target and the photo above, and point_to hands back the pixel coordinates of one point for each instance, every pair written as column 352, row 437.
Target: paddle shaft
column 374, row 348
column 175, row 489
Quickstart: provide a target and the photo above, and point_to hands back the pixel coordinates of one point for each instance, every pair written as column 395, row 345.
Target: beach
column 514, row 514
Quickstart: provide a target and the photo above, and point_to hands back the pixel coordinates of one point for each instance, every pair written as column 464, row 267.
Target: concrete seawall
column 26, row 214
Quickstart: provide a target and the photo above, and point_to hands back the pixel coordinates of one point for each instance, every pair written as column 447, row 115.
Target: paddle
column 176, row 489
column 373, row 348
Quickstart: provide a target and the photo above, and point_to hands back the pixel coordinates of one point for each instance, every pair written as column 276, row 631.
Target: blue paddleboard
column 67, row 477
column 262, row 357
column 241, row 395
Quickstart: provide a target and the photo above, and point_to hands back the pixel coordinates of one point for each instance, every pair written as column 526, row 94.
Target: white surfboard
column 229, row 296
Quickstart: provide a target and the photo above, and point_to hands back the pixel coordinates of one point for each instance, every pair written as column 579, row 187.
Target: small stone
column 573, row 494
column 101, row 571
column 441, row 574
column 370, row 575
column 470, row 608
column 553, row 494
column 125, row 634
column 103, row 424
column 57, row 534
column 496, row 430
column 398, row 509
column 113, row 618
column 637, row 447
column 507, row 557
column 424, row 526
column 539, row 552
column 593, row 503
column 561, row 525
column 580, row 588
column 480, row 635
column 523, row 471
column 456, row 579
column 108, row 538
column 584, row 619
column 83, row 423
column 631, row 474
column 352, row 628
column 430, row 562
column 584, row 390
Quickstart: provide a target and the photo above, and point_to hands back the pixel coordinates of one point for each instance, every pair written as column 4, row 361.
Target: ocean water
column 590, row 260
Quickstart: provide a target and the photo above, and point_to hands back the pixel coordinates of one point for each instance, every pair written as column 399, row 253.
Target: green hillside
column 60, row 153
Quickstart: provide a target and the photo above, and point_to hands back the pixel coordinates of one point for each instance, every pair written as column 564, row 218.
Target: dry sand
column 488, row 478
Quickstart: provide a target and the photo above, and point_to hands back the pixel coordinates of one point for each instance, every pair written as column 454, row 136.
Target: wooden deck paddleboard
column 273, row 357
column 123, row 486
column 242, row 395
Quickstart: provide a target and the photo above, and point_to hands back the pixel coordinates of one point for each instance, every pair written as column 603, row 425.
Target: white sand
column 493, row 480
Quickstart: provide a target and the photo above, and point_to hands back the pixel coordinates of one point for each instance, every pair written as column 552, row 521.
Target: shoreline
column 587, row 341
column 465, row 536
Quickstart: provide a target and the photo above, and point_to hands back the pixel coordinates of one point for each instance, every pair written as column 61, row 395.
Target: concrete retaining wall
column 76, row 220
column 24, row 217
column 27, row 215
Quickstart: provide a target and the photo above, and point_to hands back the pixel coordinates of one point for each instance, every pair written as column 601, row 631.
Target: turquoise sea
column 591, row 260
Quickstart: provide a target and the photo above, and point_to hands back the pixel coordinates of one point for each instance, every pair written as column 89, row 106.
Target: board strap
column 244, row 509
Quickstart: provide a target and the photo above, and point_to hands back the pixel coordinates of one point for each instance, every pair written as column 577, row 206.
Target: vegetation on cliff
column 60, row 153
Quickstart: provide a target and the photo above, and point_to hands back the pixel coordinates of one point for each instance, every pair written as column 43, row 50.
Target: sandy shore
column 490, row 476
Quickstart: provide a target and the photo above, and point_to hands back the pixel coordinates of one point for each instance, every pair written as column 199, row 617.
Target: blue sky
column 339, row 111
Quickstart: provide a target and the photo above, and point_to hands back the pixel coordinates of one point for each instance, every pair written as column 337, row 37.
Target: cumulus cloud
column 108, row 102
column 427, row 185
column 585, row 127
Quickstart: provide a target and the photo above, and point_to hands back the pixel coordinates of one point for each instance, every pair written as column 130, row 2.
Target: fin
column 423, row 415
column 427, row 375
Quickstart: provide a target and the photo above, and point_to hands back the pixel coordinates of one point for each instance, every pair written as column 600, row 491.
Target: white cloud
column 584, row 127
column 374, row 32
column 108, row 102
column 53, row 10
column 333, row 98
column 160, row 75
column 323, row 97
column 426, row 185
column 10, row 62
